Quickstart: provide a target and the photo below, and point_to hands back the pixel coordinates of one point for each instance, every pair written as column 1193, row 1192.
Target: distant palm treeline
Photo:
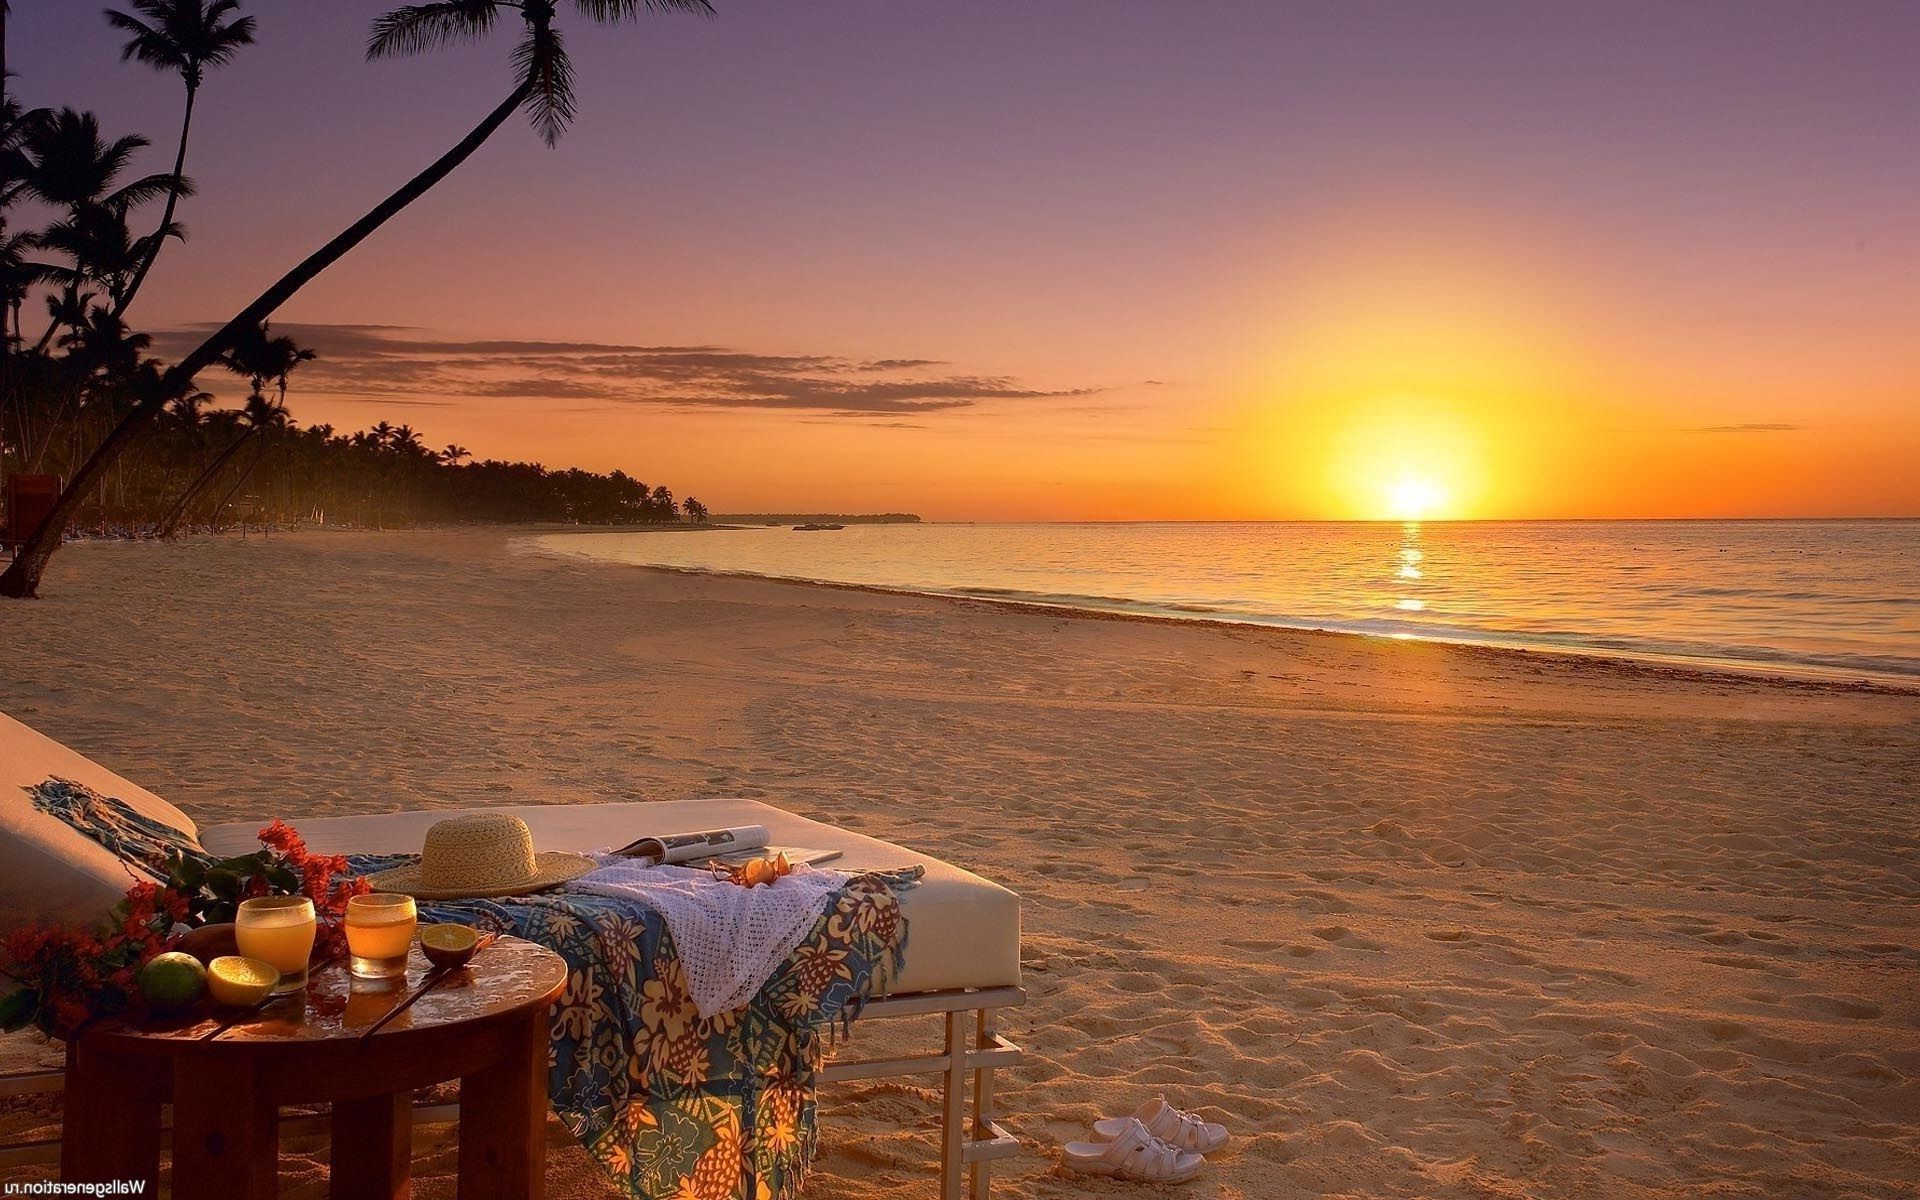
column 815, row 518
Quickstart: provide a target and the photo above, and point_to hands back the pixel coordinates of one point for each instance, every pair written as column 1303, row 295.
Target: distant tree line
column 817, row 518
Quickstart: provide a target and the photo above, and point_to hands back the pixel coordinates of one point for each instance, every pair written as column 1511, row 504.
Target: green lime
column 172, row 981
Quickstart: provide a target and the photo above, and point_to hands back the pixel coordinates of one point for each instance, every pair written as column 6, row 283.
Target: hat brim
column 550, row 869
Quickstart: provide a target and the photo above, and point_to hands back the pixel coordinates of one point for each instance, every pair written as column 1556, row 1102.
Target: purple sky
column 1696, row 216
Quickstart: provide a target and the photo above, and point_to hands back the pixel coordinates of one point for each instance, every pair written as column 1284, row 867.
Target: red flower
column 281, row 837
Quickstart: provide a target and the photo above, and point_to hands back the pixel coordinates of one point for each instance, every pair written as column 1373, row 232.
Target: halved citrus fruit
column 240, row 982
column 448, row 945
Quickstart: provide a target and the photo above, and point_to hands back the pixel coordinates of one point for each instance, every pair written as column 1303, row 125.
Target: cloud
column 400, row 363
column 1750, row 427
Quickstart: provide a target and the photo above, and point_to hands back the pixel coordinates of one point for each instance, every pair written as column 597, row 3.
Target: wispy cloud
column 1750, row 427
column 392, row 362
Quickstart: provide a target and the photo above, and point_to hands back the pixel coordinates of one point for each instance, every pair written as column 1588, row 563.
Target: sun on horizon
column 1413, row 498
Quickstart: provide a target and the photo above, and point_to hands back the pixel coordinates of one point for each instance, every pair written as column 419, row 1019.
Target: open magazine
column 717, row 845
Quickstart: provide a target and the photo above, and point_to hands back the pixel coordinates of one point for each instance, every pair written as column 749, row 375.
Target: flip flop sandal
column 1134, row 1155
column 1181, row 1130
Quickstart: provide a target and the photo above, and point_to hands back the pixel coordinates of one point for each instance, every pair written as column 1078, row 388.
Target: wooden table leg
column 111, row 1127
column 225, row 1130
column 503, row 1117
column 373, row 1148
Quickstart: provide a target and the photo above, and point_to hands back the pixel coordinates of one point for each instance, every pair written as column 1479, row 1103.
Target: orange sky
column 1100, row 260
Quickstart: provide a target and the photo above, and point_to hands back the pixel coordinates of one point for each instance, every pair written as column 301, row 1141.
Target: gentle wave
column 1837, row 598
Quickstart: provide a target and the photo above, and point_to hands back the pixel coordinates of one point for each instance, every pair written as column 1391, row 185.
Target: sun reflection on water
column 1409, row 572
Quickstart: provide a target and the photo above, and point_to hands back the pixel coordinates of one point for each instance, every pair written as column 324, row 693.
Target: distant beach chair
column 963, row 952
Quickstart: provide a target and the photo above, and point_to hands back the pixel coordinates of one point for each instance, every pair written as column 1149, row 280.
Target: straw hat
column 481, row 854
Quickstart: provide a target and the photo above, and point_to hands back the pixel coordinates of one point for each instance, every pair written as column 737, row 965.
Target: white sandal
column 1133, row 1154
column 1181, row 1130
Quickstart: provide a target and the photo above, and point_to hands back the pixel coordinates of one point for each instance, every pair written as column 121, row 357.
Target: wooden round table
column 485, row 1024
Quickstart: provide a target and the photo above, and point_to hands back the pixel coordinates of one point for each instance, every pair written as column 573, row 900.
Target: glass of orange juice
column 278, row 930
column 379, row 934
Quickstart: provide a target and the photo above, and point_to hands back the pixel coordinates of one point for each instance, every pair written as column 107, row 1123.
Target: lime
column 448, row 945
column 172, row 981
column 240, row 982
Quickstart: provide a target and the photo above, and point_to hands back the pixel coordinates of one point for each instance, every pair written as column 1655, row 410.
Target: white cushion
column 963, row 931
column 48, row 870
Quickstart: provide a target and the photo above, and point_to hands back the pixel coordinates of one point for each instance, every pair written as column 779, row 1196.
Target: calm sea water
column 1827, row 597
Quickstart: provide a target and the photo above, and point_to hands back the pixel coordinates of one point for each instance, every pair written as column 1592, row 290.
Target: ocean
column 1828, row 598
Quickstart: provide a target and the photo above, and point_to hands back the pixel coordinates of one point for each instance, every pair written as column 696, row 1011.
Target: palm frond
column 150, row 187
column 144, row 246
column 223, row 42
column 25, row 273
column 542, row 66
column 417, row 28
column 627, row 10
column 115, row 155
column 148, row 43
column 187, row 36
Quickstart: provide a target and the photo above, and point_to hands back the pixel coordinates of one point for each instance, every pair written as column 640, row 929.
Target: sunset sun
column 1411, row 498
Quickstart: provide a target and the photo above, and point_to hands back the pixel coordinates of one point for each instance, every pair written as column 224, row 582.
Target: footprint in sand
column 1340, row 935
column 1315, row 900
column 1745, row 962
column 1853, row 1008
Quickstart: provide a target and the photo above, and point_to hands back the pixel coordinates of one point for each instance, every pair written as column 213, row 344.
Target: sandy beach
column 1412, row 920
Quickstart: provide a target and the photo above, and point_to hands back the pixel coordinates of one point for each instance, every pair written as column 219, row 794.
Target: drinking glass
column 278, row 930
column 379, row 934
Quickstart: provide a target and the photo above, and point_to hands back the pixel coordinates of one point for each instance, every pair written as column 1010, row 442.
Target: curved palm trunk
column 237, row 485
column 166, row 216
column 200, row 484
column 22, row 578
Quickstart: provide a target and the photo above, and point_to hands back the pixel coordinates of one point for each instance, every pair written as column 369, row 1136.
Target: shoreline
column 1629, row 663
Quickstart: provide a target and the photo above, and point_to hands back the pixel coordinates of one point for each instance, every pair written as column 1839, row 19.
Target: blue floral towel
column 673, row 1104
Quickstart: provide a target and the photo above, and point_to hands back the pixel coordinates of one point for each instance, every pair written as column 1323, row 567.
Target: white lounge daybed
column 963, row 956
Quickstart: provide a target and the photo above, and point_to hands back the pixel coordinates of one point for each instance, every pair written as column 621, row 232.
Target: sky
column 1094, row 259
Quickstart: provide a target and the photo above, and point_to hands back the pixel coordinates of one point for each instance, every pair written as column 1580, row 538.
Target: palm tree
column 264, row 419
column 543, row 85
column 453, row 454
column 18, row 277
column 16, row 126
column 103, row 251
column 185, row 36
column 262, row 358
column 67, row 163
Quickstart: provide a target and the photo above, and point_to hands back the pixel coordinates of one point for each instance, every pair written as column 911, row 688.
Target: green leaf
column 189, row 874
column 283, row 879
column 17, row 1008
column 224, row 883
